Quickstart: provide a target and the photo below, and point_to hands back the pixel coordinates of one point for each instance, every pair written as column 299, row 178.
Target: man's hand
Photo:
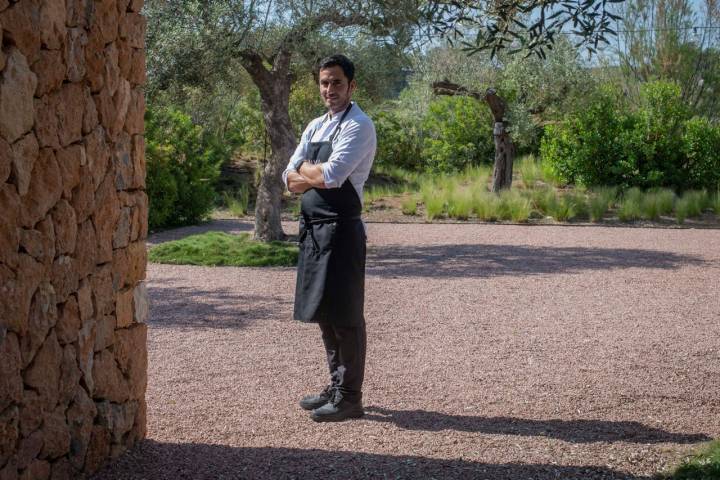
column 313, row 174
column 297, row 183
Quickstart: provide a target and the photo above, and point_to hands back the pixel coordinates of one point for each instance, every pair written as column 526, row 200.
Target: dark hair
column 339, row 61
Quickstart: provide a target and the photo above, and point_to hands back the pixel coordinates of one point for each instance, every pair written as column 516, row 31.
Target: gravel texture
column 494, row 352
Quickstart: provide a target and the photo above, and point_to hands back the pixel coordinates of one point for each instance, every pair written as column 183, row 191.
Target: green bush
column 600, row 201
column 458, row 134
column 631, row 205
column 655, row 145
column 398, row 142
column 183, row 164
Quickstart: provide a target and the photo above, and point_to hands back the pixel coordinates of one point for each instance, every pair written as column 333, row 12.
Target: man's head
column 337, row 82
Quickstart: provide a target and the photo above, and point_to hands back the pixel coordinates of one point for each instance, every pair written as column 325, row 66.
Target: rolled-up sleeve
column 300, row 153
column 354, row 144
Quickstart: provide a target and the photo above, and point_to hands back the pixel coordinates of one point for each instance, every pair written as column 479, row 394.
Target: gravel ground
column 494, row 352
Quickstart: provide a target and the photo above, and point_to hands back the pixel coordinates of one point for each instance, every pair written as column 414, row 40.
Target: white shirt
column 353, row 149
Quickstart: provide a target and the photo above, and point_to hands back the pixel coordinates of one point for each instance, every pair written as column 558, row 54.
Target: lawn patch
column 222, row 249
column 704, row 465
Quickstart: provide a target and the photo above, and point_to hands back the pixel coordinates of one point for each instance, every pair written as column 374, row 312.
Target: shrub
column 656, row 203
column 530, row 171
column 183, row 164
column 562, row 208
column 701, row 146
column 486, row 205
column 409, row 205
column 691, row 204
column 458, row 133
column 398, row 142
column 238, row 203
column 514, row 206
column 460, row 204
column 434, row 206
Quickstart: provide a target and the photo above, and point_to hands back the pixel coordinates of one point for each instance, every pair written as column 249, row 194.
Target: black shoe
column 337, row 410
column 311, row 402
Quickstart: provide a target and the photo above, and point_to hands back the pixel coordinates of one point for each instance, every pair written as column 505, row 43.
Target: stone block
column 11, row 386
column 66, row 228
column 74, row 54
column 17, row 88
column 135, row 120
column 121, row 237
column 70, row 375
column 69, row 322
column 138, row 71
column 21, row 288
column 86, row 249
column 43, row 316
column 129, row 265
column 50, row 70
column 28, row 449
column 141, row 303
column 132, row 29
column 135, row 6
column 106, row 110
column 25, row 153
column 102, row 286
column 118, row 419
column 98, row 155
column 124, row 307
column 32, row 411
column 62, row 469
column 80, row 13
column 9, row 432
column 44, row 191
column 105, row 218
column 95, row 59
column 9, row 237
column 110, row 384
column 121, row 102
column 105, row 332
column 47, row 236
column 107, row 19
column 122, row 162
column 70, row 160
column 52, row 24
column 9, row 471
column 90, row 117
column 21, row 25
column 80, row 417
column 131, row 355
column 138, row 160
column 85, row 353
column 37, row 470
column 85, row 303
column 112, row 69
column 65, row 276
column 56, row 434
column 83, row 196
column 43, row 374
column 125, row 52
column 6, row 160
column 98, row 449
column 70, row 110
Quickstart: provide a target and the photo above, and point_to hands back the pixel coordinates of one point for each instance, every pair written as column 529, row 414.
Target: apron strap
column 337, row 127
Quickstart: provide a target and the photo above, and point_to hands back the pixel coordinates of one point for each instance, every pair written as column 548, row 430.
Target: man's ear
column 353, row 85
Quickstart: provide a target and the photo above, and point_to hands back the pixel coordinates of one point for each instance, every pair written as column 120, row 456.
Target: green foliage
column 458, row 134
column 460, row 204
column 222, row 249
column 656, row 203
column 562, row 208
column 658, row 145
column 703, row 465
column 398, row 142
column 530, row 170
column 183, row 163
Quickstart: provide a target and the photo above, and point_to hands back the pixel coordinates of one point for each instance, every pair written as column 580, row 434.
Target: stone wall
column 73, row 223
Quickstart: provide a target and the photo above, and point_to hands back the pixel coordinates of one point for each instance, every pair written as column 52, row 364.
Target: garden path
column 494, row 352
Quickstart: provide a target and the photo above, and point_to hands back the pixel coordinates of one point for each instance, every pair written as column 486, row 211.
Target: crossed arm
column 307, row 176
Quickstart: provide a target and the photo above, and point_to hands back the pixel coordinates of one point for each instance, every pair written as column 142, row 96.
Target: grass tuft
column 514, row 206
column 530, row 171
column 486, row 206
column 238, row 203
column 631, row 205
column 460, row 204
column 691, row 204
column 656, row 203
column 704, row 465
column 222, row 249
column 409, row 205
column 600, row 201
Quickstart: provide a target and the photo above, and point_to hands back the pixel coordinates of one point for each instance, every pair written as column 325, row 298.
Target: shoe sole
column 337, row 418
column 306, row 406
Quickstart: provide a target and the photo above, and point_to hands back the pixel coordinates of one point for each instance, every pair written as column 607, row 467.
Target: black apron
column 330, row 284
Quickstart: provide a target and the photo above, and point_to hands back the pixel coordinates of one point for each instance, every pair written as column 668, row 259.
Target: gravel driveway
column 494, row 352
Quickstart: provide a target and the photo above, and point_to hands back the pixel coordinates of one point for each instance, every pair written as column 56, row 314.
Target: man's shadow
column 574, row 431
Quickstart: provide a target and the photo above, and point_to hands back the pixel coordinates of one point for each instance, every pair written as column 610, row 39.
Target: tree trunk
column 274, row 86
column 504, row 148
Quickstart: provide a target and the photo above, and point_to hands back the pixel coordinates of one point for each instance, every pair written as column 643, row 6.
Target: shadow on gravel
column 219, row 308
column 574, row 431
column 154, row 460
column 496, row 260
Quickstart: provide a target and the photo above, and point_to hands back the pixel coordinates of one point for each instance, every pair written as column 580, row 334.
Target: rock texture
column 73, row 224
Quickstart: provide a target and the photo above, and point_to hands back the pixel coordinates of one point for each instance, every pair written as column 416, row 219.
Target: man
column 330, row 167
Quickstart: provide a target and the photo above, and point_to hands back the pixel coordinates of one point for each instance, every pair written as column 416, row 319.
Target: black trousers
column 345, row 348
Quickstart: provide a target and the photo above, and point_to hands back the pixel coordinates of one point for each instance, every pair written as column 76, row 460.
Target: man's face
column 335, row 89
